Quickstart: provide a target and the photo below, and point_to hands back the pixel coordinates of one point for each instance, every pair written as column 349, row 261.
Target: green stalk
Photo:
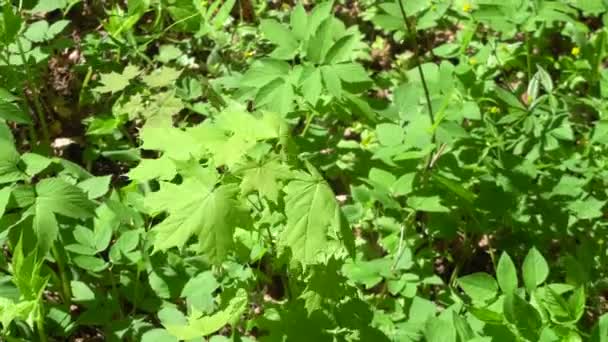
column 40, row 323
column 528, row 57
column 413, row 34
column 59, row 255
column 35, row 97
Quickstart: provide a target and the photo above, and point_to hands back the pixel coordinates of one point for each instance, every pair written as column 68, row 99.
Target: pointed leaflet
column 281, row 36
column 535, row 269
column 311, row 210
column 299, row 21
column 506, row 274
column 523, row 315
column 479, row 286
column 196, row 209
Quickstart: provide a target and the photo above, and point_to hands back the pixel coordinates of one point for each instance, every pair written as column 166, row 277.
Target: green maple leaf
column 228, row 143
column 115, row 82
column 56, row 196
column 162, row 77
column 197, row 209
column 264, row 178
column 312, row 210
column 174, row 142
column 161, row 109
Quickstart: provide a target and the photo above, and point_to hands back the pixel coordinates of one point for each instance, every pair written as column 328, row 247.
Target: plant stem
column 35, row 96
column 59, row 255
column 40, row 323
column 413, row 34
column 528, row 57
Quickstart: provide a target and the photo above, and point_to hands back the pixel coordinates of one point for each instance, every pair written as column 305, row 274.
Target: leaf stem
column 413, row 34
column 40, row 323
column 35, row 96
column 59, row 255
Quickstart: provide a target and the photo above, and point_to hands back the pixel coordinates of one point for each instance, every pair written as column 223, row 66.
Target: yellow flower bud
column 467, row 7
column 576, row 51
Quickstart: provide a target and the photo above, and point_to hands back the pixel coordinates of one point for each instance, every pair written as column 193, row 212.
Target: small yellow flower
column 249, row 54
column 494, row 110
column 472, row 60
column 467, row 7
column 575, row 51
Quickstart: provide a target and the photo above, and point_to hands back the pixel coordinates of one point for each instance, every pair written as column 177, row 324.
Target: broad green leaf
column 49, row 5
column 600, row 133
column 351, row 72
column 96, row 187
column 600, row 331
column 479, row 286
column 59, row 197
column 331, row 80
column 341, row 50
column 312, row 213
column 162, row 108
column 175, row 143
column 196, row 210
column 158, row 335
column 569, row 186
column 368, row 273
column 9, row 160
column 199, row 290
column 506, row 274
column 81, row 292
column 427, row 203
column 589, row 208
column 206, row 325
column 389, row 134
column 10, row 23
column 535, row 269
column 162, row 77
column 115, row 82
column 438, row 329
column 162, row 168
column 45, row 227
column 265, row 71
column 35, row 163
column 41, row 31
column 10, row 111
column 264, row 178
column 312, row 86
column 277, row 96
column 523, row 315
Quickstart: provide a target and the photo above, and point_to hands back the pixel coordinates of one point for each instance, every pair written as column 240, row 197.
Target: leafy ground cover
column 238, row 170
